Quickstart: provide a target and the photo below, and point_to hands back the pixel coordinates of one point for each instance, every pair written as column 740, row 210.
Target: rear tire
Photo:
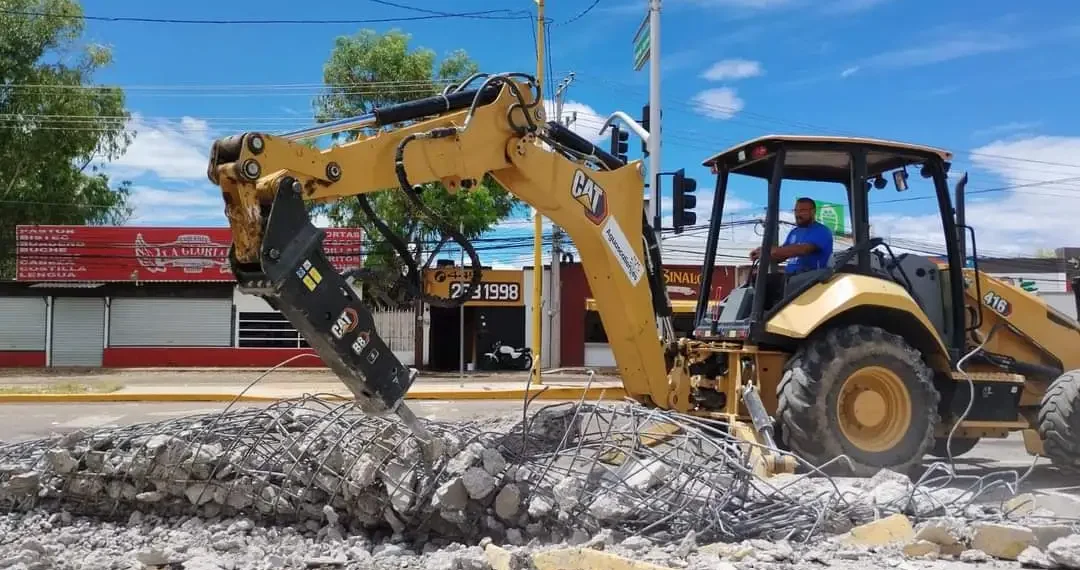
column 1059, row 422
column 862, row 392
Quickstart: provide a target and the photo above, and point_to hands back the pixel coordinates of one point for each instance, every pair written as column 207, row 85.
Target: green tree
column 54, row 124
column 369, row 70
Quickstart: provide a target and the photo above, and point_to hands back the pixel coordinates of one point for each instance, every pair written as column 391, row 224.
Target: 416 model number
column 997, row 303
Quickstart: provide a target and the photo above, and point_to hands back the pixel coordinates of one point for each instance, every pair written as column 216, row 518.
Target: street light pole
column 538, row 221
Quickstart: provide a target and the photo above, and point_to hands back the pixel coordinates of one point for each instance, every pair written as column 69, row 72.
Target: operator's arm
column 817, row 239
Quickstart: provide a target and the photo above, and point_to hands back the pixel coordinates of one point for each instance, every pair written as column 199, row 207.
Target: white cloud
column 849, row 71
column 1018, row 221
column 184, row 206
column 170, row 150
column 588, row 120
column 954, row 47
column 733, row 69
column 1006, row 128
column 719, row 103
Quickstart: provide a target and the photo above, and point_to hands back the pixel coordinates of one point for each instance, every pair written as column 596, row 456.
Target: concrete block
column 894, row 528
column 588, row 559
column 921, row 548
column 1003, row 541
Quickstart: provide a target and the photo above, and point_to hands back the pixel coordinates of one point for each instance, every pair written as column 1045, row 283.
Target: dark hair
column 805, row 200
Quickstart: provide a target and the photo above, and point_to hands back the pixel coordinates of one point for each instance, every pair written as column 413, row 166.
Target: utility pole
column 654, row 115
column 556, row 235
column 461, row 310
column 555, row 310
column 560, row 92
column 418, row 314
column 538, row 221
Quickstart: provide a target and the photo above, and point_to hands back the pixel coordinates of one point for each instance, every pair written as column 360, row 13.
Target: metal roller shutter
column 170, row 322
column 78, row 331
column 24, row 323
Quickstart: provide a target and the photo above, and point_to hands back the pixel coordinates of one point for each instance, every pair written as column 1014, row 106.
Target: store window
column 267, row 330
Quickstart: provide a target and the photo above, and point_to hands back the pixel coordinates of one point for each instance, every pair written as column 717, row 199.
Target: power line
column 486, row 14
column 581, row 14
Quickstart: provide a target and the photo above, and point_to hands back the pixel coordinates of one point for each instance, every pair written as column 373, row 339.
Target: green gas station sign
column 831, row 215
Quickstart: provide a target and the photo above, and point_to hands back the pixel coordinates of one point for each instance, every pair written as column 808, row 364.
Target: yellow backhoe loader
column 858, row 358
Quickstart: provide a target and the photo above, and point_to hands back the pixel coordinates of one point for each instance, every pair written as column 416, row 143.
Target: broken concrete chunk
column 974, row 556
column 609, row 507
column 944, row 531
column 1065, row 551
column 567, row 493
column 587, row 558
column 644, row 475
column 1001, row 540
column 921, row 548
column 478, row 483
column 61, row 461
column 451, row 495
column 1048, row 533
column 502, row 559
column 1032, row 557
column 893, row 528
column 493, row 461
column 508, row 501
column 540, row 506
column 1020, row 505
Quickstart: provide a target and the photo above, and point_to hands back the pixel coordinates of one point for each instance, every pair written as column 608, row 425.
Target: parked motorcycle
column 503, row 357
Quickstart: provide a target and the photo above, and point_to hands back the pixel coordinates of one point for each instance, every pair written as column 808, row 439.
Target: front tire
column 1059, row 422
column 862, row 392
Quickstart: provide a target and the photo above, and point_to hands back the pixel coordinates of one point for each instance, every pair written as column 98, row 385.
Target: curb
column 551, row 393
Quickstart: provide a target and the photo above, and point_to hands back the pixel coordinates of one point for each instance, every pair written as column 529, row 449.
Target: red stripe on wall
column 22, row 359
column 167, row 357
column 573, row 291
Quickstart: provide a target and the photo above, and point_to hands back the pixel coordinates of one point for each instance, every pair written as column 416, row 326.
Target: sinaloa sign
column 831, row 215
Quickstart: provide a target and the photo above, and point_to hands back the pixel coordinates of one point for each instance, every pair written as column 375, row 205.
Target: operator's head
column 805, row 209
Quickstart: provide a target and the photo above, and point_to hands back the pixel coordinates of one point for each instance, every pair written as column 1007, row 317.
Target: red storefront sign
column 124, row 253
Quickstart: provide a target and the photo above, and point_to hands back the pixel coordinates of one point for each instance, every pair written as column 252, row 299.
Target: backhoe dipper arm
column 458, row 138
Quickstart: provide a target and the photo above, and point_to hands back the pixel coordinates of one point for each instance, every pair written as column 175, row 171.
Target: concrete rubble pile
column 572, row 472
column 310, row 481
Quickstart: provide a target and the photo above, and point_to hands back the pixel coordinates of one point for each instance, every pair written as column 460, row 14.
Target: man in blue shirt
column 808, row 245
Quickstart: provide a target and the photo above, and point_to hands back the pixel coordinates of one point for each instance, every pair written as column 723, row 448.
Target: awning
column 677, row 305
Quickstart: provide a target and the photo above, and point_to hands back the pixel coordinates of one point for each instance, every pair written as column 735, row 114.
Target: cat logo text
column 590, row 195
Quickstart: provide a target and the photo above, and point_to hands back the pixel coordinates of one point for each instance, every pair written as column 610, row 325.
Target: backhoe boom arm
column 496, row 130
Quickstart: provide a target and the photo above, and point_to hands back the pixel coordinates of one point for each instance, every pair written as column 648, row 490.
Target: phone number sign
column 498, row 287
column 489, row 291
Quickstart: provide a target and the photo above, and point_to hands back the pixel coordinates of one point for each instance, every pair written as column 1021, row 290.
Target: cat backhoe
column 859, row 359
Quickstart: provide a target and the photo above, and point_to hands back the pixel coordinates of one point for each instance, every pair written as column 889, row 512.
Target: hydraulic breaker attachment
column 295, row 277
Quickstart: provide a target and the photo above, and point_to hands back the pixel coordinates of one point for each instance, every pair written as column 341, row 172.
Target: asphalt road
column 1001, row 459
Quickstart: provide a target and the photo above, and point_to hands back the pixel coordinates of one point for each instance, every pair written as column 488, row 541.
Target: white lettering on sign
column 624, row 254
column 360, row 342
column 488, row 291
column 346, row 322
column 590, row 195
column 191, row 252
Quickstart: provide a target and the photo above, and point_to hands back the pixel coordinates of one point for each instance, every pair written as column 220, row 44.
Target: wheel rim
column 874, row 409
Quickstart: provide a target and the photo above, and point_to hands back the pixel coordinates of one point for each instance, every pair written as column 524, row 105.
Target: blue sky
column 994, row 85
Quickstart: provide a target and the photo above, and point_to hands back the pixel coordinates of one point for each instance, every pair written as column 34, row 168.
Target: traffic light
column 683, row 200
column 644, row 122
column 619, row 144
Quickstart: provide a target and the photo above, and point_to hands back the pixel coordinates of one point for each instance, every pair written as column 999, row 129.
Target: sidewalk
column 224, row 385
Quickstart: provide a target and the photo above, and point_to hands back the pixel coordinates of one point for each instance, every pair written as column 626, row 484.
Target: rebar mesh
column 564, row 468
